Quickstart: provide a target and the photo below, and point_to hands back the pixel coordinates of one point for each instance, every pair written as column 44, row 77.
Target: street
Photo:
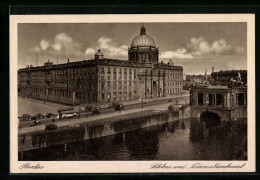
column 103, row 111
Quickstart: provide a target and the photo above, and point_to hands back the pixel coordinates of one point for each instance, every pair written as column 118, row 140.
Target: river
column 184, row 139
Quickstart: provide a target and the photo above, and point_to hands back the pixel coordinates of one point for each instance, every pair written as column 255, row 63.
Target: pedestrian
column 53, row 120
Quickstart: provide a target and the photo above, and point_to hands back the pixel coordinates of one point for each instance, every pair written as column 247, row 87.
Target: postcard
column 132, row 93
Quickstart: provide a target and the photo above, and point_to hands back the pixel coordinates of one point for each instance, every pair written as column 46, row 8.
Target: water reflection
column 185, row 139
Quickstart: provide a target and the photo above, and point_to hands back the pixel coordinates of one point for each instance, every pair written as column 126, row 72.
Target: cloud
column 65, row 43
column 179, row 53
column 111, row 47
column 90, row 51
column 44, row 44
column 199, row 47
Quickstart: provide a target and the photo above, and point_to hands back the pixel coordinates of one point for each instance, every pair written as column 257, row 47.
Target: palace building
column 102, row 80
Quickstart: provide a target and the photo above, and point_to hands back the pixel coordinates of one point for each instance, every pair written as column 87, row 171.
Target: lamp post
column 142, row 99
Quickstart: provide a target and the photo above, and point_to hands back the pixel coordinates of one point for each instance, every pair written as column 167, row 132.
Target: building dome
column 143, row 40
column 99, row 55
column 143, row 49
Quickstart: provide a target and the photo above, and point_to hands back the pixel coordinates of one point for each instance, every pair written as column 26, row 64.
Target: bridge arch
column 210, row 116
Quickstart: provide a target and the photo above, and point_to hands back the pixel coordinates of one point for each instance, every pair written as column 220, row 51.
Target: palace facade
column 103, row 80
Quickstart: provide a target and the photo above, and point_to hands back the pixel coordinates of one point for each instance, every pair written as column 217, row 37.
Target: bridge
column 229, row 103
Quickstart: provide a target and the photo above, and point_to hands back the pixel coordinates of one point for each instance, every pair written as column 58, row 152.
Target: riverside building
column 102, row 80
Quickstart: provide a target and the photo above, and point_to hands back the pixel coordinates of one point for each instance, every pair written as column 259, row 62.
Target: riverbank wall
column 99, row 128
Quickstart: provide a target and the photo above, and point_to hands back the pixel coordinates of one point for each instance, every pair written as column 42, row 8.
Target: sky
column 196, row 46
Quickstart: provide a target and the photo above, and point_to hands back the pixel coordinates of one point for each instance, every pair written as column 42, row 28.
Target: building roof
column 105, row 62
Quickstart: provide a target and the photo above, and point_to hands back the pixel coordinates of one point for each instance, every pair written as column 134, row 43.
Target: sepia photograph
column 129, row 93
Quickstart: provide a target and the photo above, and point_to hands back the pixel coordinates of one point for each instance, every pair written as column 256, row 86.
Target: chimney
column 213, row 69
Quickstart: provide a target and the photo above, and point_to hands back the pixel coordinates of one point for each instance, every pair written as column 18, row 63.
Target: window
column 120, row 85
column 219, row 99
column 114, row 95
column 211, row 102
column 120, row 75
column 241, row 99
column 108, row 96
column 114, row 75
column 125, row 95
column 125, row 85
column 200, row 99
column 114, row 85
column 102, row 86
column 108, row 86
column 103, row 96
column 108, row 75
column 102, row 75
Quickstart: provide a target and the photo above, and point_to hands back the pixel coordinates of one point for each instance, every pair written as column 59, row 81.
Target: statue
column 237, row 81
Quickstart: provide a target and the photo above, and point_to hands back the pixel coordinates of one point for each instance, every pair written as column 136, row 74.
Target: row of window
column 119, row 95
column 218, row 99
column 119, row 75
column 120, row 85
column 174, row 83
column 175, row 90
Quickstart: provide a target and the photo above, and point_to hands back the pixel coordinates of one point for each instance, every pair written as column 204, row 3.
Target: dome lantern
column 143, row 30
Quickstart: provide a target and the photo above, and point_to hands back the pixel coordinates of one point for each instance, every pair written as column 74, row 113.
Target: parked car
column 25, row 117
column 113, row 104
column 51, row 127
column 49, row 115
column 40, row 115
column 96, row 110
column 119, row 107
column 34, row 118
column 88, row 108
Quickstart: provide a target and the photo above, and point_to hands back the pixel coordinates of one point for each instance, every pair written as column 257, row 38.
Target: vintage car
column 34, row 118
column 96, row 110
column 119, row 107
column 88, row 108
column 49, row 115
column 39, row 115
column 25, row 117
